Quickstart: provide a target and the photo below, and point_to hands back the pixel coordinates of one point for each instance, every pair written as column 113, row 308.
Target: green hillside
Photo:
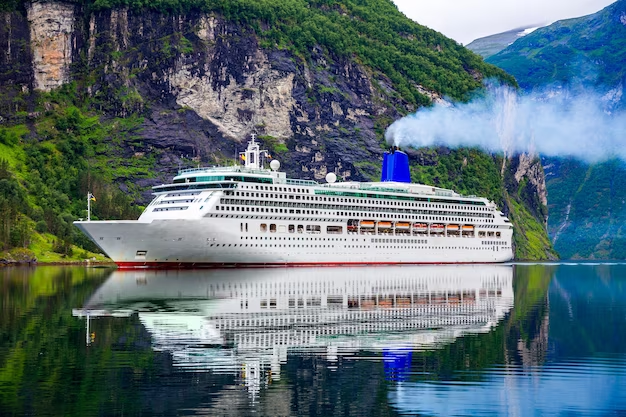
column 116, row 129
column 589, row 51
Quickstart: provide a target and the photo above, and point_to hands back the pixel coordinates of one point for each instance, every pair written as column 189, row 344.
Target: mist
column 550, row 123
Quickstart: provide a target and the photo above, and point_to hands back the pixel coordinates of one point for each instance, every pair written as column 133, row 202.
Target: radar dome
column 275, row 165
column 331, row 177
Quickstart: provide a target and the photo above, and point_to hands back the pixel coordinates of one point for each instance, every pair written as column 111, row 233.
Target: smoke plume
column 555, row 123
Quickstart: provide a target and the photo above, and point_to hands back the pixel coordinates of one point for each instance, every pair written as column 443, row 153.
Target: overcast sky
column 466, row 20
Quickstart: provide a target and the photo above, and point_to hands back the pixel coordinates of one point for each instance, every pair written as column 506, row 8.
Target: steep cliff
column 145, row 91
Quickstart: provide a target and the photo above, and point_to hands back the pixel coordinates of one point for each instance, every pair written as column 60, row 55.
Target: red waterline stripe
column 217, row 265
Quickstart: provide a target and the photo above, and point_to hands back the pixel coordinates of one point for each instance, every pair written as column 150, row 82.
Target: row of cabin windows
column 490, row 234
column 493, row 242
column 244, row 226
column 184, row 187
column 310, row 228
column 355, row 201
column 408, row 218
column 280, row 189
column 336, row 239
column 409, row 241
column 171, row 209
column 237, row 178
column 269, row 245
column 264, row 203
column 342, row 213
column 476, row 204
column 290, row 245
column 265, row 210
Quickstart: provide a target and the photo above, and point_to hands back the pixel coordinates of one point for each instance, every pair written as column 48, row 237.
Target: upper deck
column 253, row 171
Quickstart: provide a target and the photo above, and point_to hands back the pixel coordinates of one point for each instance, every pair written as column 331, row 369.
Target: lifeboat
column 420, row 226
column 367, row 223
column 468, row 228
column 437, row 227
column 384, row 225
column 453, row 227
column 402, row 225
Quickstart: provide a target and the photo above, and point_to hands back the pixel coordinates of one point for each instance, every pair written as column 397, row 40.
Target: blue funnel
column 396, row 167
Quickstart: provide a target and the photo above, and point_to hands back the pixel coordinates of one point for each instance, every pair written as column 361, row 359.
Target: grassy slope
column 55, row 158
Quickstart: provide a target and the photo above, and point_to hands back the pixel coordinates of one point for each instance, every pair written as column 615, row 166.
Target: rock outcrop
column 51, row 33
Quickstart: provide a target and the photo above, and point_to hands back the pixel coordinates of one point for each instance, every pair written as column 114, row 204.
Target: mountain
column 585, row 52
column 491, row 45
column 113, row 96
column 587, row 203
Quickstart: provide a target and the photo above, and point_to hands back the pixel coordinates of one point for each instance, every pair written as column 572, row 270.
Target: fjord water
column 463, row 340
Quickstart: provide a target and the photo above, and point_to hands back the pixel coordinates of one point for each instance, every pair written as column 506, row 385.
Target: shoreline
column 10, row 264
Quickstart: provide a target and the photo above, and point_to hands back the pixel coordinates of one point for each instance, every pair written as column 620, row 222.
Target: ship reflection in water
column 246, row 322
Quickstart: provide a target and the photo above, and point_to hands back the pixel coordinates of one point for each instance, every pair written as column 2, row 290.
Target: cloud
column 551, row 123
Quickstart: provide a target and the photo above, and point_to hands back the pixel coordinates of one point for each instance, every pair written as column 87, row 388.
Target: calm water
column 467, row 340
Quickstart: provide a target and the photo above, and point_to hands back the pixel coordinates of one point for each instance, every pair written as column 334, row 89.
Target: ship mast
column 252, row 154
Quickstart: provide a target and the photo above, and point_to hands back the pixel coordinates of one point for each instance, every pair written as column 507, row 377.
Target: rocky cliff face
column 202, row 84
column 51, row 33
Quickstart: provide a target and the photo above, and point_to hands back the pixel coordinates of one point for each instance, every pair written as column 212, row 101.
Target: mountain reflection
column 247, row 322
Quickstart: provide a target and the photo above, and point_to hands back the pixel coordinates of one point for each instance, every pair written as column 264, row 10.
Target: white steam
column 556, row 124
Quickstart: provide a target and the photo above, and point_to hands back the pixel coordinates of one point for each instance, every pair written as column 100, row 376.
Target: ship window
column 263, row 227
column 335, row 230
column 272, row 228
column 313, row 228
column 300, row 228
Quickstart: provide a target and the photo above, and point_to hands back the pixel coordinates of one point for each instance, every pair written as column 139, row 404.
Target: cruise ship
column 250, row 215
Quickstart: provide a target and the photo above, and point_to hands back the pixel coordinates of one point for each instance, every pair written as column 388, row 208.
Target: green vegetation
column 589, row 50
column 588, row 209
column 47, row 169
column 273, row 145
column 529, row 236
column 43, row 352
column 466, row 171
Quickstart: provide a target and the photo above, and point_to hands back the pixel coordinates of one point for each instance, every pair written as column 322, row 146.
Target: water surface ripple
column 520, row 340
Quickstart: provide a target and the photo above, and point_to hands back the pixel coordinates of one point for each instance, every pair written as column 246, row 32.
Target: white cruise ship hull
column 223, row 242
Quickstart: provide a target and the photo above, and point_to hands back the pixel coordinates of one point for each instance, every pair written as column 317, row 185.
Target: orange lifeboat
column 367, row 223
column 402, row 225
column 384, row 225
column 468, row 228
column 453, row 227
column 420, row 226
